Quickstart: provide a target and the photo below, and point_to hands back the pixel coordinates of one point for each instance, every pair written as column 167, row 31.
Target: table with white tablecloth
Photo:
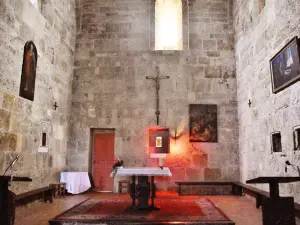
column 142, row 189
column 144, row 171
column 76, row 182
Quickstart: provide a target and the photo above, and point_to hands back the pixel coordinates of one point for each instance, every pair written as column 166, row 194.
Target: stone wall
column 259, row 36
column 110, row 90
column 52, row 29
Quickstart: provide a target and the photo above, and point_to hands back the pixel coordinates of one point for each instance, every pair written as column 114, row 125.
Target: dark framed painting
column 285, row 66
column 203, row 123
column 27, row 84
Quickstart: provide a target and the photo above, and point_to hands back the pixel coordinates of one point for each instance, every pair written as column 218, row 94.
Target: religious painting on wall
column 28, row 71
column 203, row 123
column 285, row 66
column 159, row 140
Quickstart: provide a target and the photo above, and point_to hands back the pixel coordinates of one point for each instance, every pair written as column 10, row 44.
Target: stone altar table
column 277, row 210
column 141, row 191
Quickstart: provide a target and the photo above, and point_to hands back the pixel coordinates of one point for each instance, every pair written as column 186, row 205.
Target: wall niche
column 296, row 136
column 276, row 142
column 45, row 129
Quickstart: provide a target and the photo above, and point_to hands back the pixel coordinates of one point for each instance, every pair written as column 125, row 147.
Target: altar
column 145, row 183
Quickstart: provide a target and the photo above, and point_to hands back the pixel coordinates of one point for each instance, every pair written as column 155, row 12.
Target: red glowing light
column 180, row 145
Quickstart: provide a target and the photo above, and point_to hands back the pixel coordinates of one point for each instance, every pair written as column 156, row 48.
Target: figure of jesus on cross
column 156, row 79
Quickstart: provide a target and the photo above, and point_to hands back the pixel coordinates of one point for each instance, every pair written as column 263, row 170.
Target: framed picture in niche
column 285, row 66
column 203, row 123
column 27, row 85
column 45, row 129
column 296, row 137
column 276, row 141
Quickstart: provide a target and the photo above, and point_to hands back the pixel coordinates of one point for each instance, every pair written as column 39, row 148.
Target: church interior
column 186, row 111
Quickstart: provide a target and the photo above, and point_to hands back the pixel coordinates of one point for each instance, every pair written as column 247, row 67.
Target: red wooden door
column 103, row 157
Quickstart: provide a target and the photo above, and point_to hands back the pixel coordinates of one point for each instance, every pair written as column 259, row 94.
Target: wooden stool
column 59, row 189
column 124, row 184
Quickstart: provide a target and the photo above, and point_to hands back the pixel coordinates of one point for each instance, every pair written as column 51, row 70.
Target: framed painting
column 27, row 85
column 203, row 123
column 285, row 66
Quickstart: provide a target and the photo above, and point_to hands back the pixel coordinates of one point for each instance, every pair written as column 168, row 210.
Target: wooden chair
column 59, row 189
column 124, row 184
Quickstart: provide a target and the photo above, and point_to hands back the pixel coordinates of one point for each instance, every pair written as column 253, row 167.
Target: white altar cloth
column 76, row 182
column 144, row 171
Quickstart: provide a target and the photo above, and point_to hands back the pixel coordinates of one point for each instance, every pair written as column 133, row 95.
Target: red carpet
column 114, row 211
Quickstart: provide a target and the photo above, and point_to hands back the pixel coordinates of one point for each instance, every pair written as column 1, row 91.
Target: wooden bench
column 258, row 194
column 45, row 193
column 216, row 183
column 297, row 209
column 238, row 188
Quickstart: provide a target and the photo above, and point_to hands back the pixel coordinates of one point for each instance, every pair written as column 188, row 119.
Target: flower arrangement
column 117, row 164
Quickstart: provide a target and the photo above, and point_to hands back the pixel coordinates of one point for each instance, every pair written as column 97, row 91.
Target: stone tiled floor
column 241, row 210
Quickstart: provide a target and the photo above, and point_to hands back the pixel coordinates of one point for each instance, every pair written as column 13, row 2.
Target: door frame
column 93, row 132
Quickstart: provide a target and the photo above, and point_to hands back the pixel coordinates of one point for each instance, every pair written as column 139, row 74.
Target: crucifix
column 55, row 105
column 249, row 103
column 156, row 79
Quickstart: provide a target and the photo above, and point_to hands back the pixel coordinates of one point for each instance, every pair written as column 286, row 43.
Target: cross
column 55, row 105
column 156, row 79
column 249, row 103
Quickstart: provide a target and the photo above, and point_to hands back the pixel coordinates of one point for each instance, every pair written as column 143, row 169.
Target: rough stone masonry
column 225, row 61
column 114, row 54
column 52, row 28
column 259, row 35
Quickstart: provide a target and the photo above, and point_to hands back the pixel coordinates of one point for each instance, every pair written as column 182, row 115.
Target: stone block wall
column 259, row 35
column 110, row 90
column 52, row 28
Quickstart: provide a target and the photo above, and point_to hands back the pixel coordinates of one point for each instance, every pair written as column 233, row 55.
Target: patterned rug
column 113, row 211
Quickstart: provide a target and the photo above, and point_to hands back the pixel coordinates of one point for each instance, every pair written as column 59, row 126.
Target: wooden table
column 277, row 210
column 76, row 182
column 142, row 190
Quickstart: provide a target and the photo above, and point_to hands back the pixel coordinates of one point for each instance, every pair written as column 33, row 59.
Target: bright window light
column 168, row 25
column 34, row 2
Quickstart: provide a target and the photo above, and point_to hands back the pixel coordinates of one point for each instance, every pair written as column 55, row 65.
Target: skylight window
column 35, row 3
column 168, row 25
